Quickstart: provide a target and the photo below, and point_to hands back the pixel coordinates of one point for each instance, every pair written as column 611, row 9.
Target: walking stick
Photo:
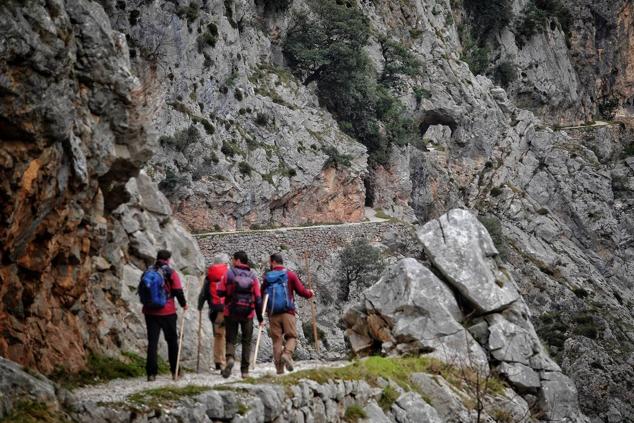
column 200, row 328
column 257, row 343
column 313, row 306
column 180, row 346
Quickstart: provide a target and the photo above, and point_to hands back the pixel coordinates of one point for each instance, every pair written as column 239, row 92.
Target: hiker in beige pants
column 216, row 273
column 282, row 320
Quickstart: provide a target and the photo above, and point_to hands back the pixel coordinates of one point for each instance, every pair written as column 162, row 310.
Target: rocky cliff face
column 73, row 119
column 243, row 142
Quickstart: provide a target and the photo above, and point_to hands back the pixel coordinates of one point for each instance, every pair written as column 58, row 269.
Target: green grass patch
column 396, row 369
column 100, row 369
column 243, row 408
column 153, row 398
column 381, row 214
column 354, row 413
column 27, row 411
column 388, row 397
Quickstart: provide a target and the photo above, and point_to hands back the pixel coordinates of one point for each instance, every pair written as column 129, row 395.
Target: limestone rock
column 521, row 376
column 461, row 248
column 418, row 311
column 410, row 407
column 17, row 385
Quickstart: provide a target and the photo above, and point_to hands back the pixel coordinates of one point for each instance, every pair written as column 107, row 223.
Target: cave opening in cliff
column 436, row 117
column 369, row 191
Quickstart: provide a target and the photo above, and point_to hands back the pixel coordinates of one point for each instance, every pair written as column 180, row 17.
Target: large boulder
column 411, row 311
column 461, row 248
column 16, row 385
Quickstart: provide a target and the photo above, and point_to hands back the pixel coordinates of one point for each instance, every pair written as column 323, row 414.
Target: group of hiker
column 235, row 298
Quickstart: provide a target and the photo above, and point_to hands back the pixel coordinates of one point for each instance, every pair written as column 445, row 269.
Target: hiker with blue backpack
column 157, row 289
column 280, row 284
column 243, row 301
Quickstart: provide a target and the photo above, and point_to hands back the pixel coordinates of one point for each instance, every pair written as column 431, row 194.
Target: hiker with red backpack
column 243, row 301
column 280, row 284
column 215, row 279
column 157, row 289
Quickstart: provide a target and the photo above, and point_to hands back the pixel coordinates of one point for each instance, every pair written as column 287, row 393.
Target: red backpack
column 215, row 275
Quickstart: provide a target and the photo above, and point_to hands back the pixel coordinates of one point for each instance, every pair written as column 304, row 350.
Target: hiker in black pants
column 242, row 302
column 163, row 318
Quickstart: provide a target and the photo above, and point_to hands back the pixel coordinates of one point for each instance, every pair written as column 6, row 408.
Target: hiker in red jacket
column 216, row 273
column 280, row 284
column 163, row 318
column 242, row 302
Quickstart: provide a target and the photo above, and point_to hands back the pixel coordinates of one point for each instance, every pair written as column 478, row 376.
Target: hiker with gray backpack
column 157, row 289
column 243, row 301
column 280, row 284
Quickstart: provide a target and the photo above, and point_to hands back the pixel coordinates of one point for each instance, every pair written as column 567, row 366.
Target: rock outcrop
column 77, row 229
column 243, row 142
column 421, row 397
column 473, row 318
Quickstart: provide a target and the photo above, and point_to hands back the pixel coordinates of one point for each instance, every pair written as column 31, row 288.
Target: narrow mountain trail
column 119, row 390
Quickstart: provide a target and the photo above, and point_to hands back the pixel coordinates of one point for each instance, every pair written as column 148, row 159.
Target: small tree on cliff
column 360, row 263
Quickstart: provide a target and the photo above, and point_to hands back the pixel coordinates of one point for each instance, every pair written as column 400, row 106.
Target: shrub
column 420, row 93
column 359, row 264
column 245, row 168
column 488, row 17
column 209, row 127
column 307, row 327
column 171, row 181
column 536, row 15
column 580, row 292
column 230, row 148
column 505, row 73
column 336, row 159
column 398, row 61
column 190, row 12
column 389, row 395
column 261, row 119
column 354, row 413
column 494, row 227
column 208, row 38
column 607, row 108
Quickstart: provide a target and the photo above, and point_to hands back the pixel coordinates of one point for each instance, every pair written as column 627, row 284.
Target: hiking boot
column 151, row 378
column 226, row 372
column 287, row 361
column 279, row 368
column 245, row 374
column 218, row 366
column 176, row 377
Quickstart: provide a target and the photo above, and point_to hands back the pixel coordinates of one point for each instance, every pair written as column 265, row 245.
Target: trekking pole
column 180, row 346
column 200, row 328
column 257, row 342
column 313, row 306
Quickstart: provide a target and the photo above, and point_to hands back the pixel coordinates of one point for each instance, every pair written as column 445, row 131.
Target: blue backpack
column 277, row 290
column 152, row 290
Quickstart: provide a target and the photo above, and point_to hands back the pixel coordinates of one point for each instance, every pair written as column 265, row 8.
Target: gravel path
column 119, row 389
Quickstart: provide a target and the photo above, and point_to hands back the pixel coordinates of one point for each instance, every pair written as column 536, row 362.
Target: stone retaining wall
column 318, row 242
